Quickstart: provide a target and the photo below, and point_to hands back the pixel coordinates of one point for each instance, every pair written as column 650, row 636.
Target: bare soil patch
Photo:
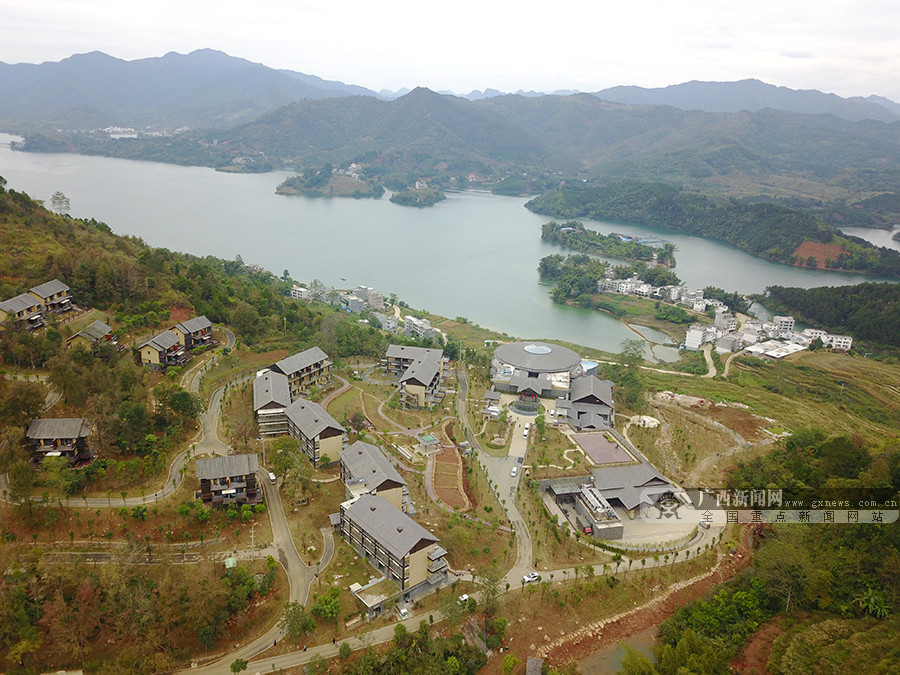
column 446, row 479
column 821, row 252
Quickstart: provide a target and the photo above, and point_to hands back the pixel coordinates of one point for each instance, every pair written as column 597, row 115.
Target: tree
column 295, row 622
column 60, row 203
column 327, row 606
column 509, row 663
column 490, row 588
column 358, row 420
column 452, row 609
column 344, row 651
column 238, row 665
column 288, row 462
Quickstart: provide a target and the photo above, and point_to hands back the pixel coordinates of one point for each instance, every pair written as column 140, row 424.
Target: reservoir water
column 473, row 255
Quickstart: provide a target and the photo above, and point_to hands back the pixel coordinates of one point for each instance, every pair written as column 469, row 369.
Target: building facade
column 393, row 543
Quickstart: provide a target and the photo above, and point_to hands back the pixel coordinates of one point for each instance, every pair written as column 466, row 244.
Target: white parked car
column 514, row 472
column 531, row 576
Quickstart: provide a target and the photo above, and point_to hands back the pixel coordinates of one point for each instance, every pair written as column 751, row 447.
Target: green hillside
column 762, row 228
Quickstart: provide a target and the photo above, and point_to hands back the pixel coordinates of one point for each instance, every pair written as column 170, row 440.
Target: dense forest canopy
column 764, row 229
column 869, row 311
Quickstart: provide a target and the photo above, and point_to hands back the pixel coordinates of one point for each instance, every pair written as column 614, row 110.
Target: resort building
column 93, row 336
column 307, row 369
column 366, row 470
column 589, row 404
column 318, row 432
column 229, row 480
column 53, row 295
column 162, row 350
column 419, row 372
column 196, row 332
column 23, row 308
column 395, row 544
column 534, row 369
column 66, row 438
column 271, row 397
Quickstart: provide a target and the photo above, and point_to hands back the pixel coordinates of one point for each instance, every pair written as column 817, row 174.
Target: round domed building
column 537, row 369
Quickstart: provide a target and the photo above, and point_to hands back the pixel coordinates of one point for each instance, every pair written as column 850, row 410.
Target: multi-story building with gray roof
column 589, row 404
column 63, row 437
column 229, row 480
column 162, row 350
column 196, row 332
column 318, row 432
column 53, row 295
column 271, row 397
column 366, row 470
column 419, row 372
column 395, row 544
column 304, row 370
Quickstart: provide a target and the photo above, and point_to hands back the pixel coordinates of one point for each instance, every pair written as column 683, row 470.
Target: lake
column 473, row 255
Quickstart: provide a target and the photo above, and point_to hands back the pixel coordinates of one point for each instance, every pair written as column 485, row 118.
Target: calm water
column 472, row 255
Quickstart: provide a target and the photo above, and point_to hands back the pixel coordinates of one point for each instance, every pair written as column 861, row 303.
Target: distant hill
column 753, row 95
column 417, row 131
column 205, row 88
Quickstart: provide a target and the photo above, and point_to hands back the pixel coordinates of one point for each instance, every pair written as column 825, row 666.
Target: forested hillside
column 869, row 312
column 831, row 588
column 127, row 615
column 763, row 229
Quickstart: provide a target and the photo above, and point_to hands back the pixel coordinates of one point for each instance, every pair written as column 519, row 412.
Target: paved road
column 498, row 470
column 301, row 578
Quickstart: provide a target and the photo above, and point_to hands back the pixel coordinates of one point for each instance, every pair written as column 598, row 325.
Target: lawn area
column 240, row 362
column 550, row 449
column 485, row 504
column 551, row 547
column 470, row 545
column 305, row 520
column 494, row 429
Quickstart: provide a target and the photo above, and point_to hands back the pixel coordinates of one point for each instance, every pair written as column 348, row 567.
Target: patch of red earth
column 178, row 313
column 643, row 619
column 821, row 252
column 447, row 463
column 754, row 657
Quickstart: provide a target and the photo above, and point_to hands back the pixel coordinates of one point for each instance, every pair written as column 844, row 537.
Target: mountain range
column 205, row 88
column 745, row 139
column 210, row 89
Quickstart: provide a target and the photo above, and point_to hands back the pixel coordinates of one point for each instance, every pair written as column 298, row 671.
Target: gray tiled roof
column 224, row 467
column 422, row 371
column 96, row 331
column 161, row 342
column 388, row 525
column 49, row 288
column 365, row 461
column 629, row 482
column 311, row 418
column 58, row 428
column 308, row 357
column 586, row 386
column 412, row 353
column 194, row 325
column 269, row 388
column 540, row 357
column 19, row 303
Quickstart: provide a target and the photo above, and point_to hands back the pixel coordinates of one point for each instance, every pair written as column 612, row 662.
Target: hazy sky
column 847, row 47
